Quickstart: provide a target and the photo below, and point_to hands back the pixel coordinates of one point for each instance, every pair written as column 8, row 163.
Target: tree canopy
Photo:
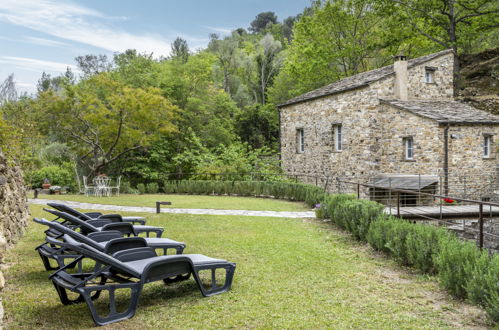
column 215, row 109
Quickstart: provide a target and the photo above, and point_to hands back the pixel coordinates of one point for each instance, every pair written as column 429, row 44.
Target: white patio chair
column 88, row 189
column 117, row 187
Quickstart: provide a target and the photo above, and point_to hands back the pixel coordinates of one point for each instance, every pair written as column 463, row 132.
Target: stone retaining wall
column 14, row 212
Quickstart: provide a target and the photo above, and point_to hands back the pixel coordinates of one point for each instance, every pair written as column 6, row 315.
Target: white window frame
column 487, row 146
column 338, row 137
column 300, row 140
column 408, row 148
column 429, row 76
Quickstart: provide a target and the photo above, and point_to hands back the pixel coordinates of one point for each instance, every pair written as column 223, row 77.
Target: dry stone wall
column 13, row 211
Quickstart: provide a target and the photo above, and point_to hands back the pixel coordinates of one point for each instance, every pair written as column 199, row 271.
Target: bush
column 141, row 188
column 455, row 263
column 57, row 175
column 152, row 188
column 490, row 287
column 355, row 215
column 126, row 187
column 423, row 246
column 379, row 233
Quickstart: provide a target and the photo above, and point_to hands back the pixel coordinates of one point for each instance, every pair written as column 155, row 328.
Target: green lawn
column 189, row 202
column 291, row 273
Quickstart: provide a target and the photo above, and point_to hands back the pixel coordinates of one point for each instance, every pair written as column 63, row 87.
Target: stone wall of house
column 13, row 211
column 468, row 169
column 355, row 111
column 441, row 88
column 396, row 124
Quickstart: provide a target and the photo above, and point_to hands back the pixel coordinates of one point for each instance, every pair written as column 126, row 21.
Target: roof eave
column 322, row 95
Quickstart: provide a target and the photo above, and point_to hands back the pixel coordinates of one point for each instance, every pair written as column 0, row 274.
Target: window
column 300, row 140
column 338, row 137
column 487, row 144
column 428, row 76
column 408, row 148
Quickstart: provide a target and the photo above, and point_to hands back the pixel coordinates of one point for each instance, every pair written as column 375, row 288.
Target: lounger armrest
column 124, row 243
column 104, row 236
column 135, row 254
column 93, row 215
column 135, row 221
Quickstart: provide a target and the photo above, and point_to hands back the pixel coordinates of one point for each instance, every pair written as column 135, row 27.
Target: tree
column 180, row 50
column 444, row 22
column 268, row 63
column 57, row 83
column 226, row 52
column 339, row 38
column 8, row 90
column 93, row 64
column 258, row 125
column 262, row 21
column 103, row 120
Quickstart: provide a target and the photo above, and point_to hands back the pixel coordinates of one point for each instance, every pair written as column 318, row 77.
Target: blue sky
column 46, row 35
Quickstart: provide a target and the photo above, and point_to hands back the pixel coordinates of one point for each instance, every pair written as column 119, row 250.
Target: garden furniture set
column 120, row 259
column 101, row 186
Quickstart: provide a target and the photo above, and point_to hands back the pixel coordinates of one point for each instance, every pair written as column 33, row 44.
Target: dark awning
column 408, row 182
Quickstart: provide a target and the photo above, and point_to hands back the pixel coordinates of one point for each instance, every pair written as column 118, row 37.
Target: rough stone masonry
column 14, row 212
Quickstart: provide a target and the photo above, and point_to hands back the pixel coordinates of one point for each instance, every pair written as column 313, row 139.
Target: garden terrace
column 291, row 273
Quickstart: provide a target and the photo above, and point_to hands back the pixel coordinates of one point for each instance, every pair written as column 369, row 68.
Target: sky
column 46, row 35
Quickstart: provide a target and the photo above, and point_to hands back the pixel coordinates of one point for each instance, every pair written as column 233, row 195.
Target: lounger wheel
column 178, row 278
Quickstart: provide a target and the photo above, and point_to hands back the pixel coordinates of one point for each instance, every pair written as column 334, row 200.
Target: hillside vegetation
column 480, row 80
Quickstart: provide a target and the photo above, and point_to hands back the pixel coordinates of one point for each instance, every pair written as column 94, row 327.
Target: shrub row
column 309, row 194
column 464, row 270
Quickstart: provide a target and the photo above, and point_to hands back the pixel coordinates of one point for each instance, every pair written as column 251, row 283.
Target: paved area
column 103, row 207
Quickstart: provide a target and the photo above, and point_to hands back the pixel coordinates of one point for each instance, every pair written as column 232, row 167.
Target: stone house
column 399, row 123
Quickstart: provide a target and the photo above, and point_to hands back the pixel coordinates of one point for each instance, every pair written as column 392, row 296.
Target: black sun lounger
column 101, row 222
column 106, row 241
column 131, row 269
column 95, row 215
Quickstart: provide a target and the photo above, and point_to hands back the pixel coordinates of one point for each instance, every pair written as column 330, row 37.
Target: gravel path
column 103, row 207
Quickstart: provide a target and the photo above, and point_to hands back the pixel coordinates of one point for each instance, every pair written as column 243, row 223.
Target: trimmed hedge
column 464, row 270
column 309, row 194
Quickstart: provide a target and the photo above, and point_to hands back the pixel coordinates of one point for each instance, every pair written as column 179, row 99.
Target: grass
column 291, row 273
column 189, row 202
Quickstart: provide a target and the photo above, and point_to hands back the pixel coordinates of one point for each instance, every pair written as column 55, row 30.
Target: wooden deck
column 447, row 211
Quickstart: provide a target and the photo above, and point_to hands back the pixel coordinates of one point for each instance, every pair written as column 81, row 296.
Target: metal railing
column 445, row 210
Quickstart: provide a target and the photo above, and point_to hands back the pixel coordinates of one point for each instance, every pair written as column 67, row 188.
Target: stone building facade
column 13, row 211
column 378, row 115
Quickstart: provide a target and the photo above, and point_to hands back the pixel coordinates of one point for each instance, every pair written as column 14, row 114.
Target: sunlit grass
column 291, row 273
column 189, row 202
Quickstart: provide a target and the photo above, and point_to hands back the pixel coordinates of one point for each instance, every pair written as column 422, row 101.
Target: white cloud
column 36, row 65
column 219, row 29
column 45, row 42
column 77, row 23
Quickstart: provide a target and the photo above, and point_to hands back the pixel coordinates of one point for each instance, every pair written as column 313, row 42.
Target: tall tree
column 180, row 50
column 262, row 21
column 445, row 21
column 226, row 52
column 93, row 64
column 268, row 62
column 103, row 120
column 339, row 38
column 8, row 90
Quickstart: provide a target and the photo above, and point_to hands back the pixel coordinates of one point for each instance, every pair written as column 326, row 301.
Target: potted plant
column 46, row 184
